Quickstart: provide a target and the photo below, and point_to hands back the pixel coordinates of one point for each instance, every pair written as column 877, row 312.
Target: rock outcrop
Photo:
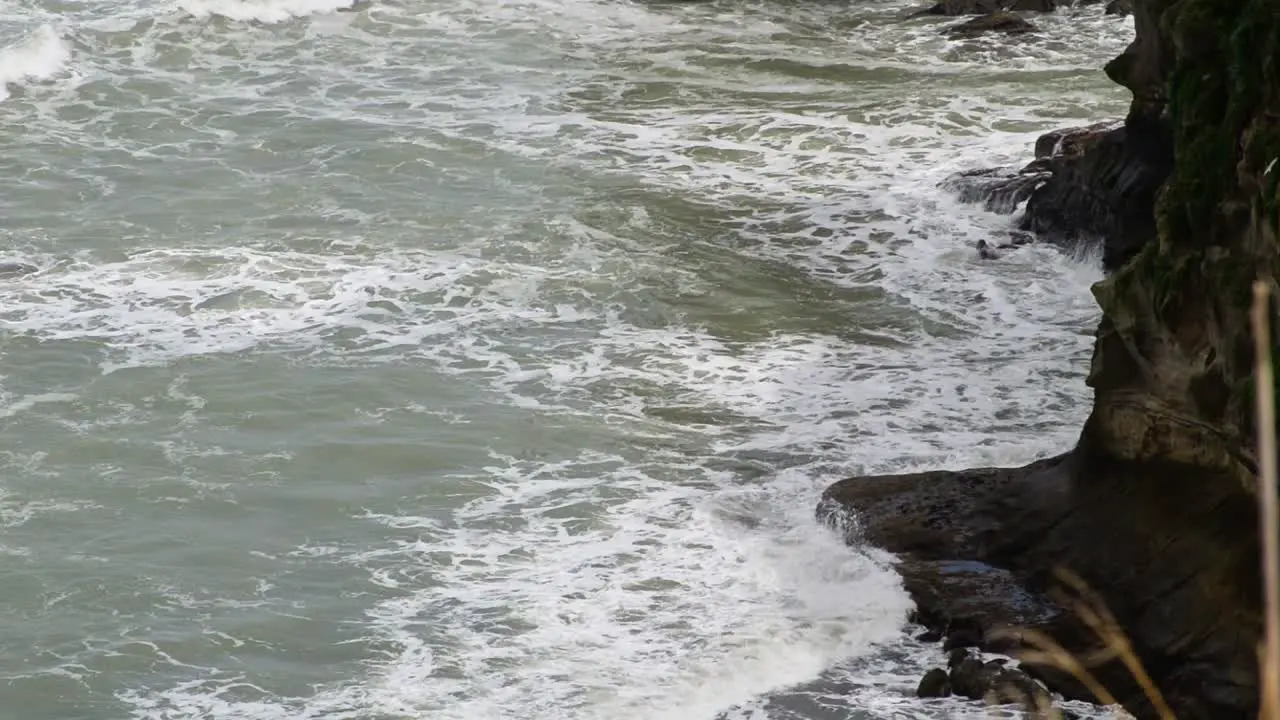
column 998, row 22
column 1088, row 186
column 1155, row 506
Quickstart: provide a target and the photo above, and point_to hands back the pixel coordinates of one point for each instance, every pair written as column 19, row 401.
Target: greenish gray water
column 485, row 359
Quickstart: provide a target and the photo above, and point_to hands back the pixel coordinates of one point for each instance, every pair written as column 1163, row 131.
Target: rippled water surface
column 484, row 359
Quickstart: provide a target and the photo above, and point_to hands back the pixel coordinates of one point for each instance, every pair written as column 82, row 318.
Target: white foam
column 41, row 56
column 681, row 574
column 18, row 405
column 264, row 11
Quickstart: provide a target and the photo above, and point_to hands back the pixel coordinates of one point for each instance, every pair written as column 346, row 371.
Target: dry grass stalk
column 1268, row 507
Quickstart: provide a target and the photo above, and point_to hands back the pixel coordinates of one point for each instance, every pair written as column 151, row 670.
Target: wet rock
column 1155, row 507
column 16, row 269
column 951, row 8
column 993, row 682
column 963, row 633
column 930, row 636
column 1000, row 190
column 1091, row 186
column 1072, row 142
column 935, row 683
column 1120, row 7
column 998, row 22
column 987, row 251
column 1011, row 685
column 963, row 7
column 972, row 678
column 978, row 544
column 1102, row 192
column 1031, row 5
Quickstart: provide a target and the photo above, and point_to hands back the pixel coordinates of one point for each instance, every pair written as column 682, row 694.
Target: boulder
column 1031, row 5
column 1120, row 7
column 1001, row 22
column 935, row 683
column 972, row 678
column 1013, row 686
column 962, row 7
column 985, row 7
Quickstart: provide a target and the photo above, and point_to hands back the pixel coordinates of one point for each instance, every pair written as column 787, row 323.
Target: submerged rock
column 972, row 678
column 991, row 681
column 1031, row 5
column 935, row 683
column 963, row 7
column 1002, row 22
column 986, row 7
column 16, row 269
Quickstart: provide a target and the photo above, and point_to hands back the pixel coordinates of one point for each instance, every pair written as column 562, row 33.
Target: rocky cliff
column 1155, row 507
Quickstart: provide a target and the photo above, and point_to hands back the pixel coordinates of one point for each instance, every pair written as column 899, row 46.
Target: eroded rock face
column 1103, row 191
column 1155, row 508
column 1088, row 186
column 1092, row 186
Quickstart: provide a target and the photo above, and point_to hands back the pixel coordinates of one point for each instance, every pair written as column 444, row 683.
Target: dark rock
column 1001, row 190
column 1104, row 193
column 977, row 544
column 1071, row 142
column 1120, row 7
column 972, row 678
column 16, row 269
column 1002, row 22
column 1088, row 186
column 1030, row 5
column 935, row 683
column 956, row 656
column 987, row 251
column 963, row 633
column 963, row 7
column 1156, row 506
column 984, row 7
column 1012, row 686
column 930, row 636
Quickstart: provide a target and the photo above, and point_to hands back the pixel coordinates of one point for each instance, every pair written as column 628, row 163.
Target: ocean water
column 485, row 359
